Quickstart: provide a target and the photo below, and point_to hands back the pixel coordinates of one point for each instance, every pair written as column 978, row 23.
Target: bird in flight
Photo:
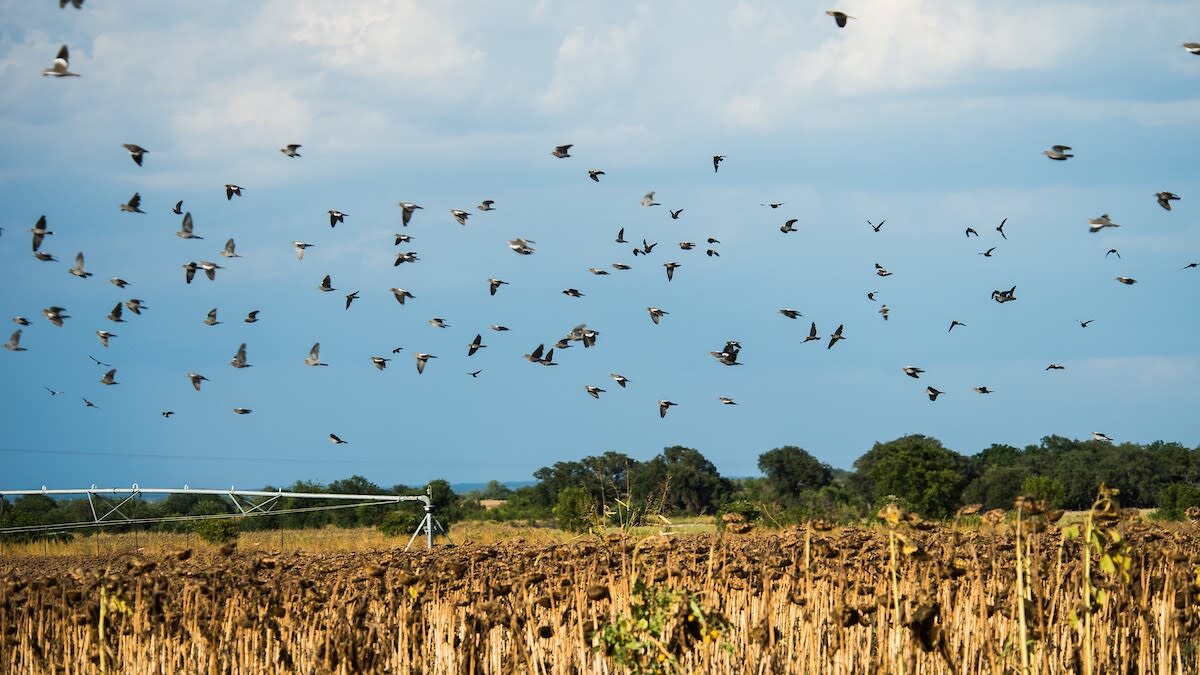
column 326, row 284
column 1000, row 228
column 1058, row 152
column 422, row 358
column 562, row 151
column 14, row 343
column 881, row 271
column 196, row 379
column 573, row 292
column 401, row 294
column 1165, row 198
column 1193, row 47
column 351, row 298
column 486, row 205
column 1112, row 251
column 89, row 404
column 242, row 411
column 379, row 362
column 475, row 373
column 876, row 227
column 494, row 285
column 406, row 212
column 837, row 335
column 1097, row 224
column 675, row 213
column 725, row 400
column 61, row 66
column 790, row 313
column 136, row 152
column 55, row 315
column 621, row 380
column 621, row 236
column 78, row 269
column 300, row 246
column 717, row 159
column 593, row 390
column 187, row 227
column 460, row 215
column 168, row 413
column 656, row 314
column 1084, row 324
column 1055, row 366
column 663, row 406
column 99, row 362
column 595, row 174
column 1097, row 436
column 971, row 231
column 789, row 226
column 773, row 205
column 521, row 246
column 314, row 356
column 883, row 311
column 1128, row 281
column 134, row 204
column 812, row 333
column 438, row 322
column 336, row 440
column 648, row 200
column 982, row 390
column 104, row 335
column 475, row 345
column 933, row 393
column 231, row 190
column 954, row 323
column 671, row 267
column 178, row 210
column 290, row 149
column 987, row 253
column 230, row 250
column 211, row 319
column 239, row 359
column 336, row 217
column 838, row 17
column 913, row 372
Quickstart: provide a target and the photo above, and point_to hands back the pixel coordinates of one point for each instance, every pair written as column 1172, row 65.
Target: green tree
column 792, row 471
column 916, row 469
column 686, row 481
column 574, row 509
column 1044, row 487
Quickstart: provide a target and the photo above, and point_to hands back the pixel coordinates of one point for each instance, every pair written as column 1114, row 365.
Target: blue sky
column 931, row 115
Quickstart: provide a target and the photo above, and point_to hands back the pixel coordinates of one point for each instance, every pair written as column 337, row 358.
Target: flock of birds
column 727, row 355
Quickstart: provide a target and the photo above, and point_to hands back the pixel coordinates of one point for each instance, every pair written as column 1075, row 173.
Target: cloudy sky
column 931, row 115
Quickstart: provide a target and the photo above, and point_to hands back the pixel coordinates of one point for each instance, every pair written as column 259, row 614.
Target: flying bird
column 475, row 345
column 621, row 266
column 209, row 268
column 1055, row 366
column 598, row 272
column 717, row 159
column 987, row 253
column 494, row 285
column 656, row 314
column 401, row 294
column 773, row 205
column 725, row 400
column 671, row 267
column 211, row 319
column 326, row 284
column 134, row 204
column 812, row 333
column 438, row 322
column 134, row 305
column 168, row 413
column 790, row 313
column 39, row 233
column 187, row 227
column 89, row 404
column 573, row 292
column 593, row 390
column 562, row 151
column 789, row 226
column 405, row 257
column 621, row 380
column 333, row 438
column 595, row 174
column 314, row 356
column 876, row 227
column 460, row 215
column 178, row 210
column 55, row 315
column 406, row 212
column 1000, row 228
column 521, row 246
column 1193, row 47
column 954, row 323
column 1097, row 224
column 242, row 411
column 712, row 253
column 675, row 213
column 336, row 217
column 913, row 372
column 104, row 335
column 110, row 378
column 230, row 250
column 136, row 152
column 351, row 298
column 621, row 236
column 1084, row 324
column 837, row 335
column 379, row 362
column 290, row 149
column 982, row 390
column 1165, row 198
column 971, row 231
column 300, row 246
column 648, row 200
column 402, row 239
column 1128, row 281
column 14, row 342
column 498, row 328
column 78, row 269
column 1191, row 266
column 239, row 359
column 663, row 406
column 1005, row 296
column 1097, row 436
column 883, row 311
column 99, row 362
column 475, row 373
column 61, row 66
column 1058, row 152
column 881, row 271
column 486, row 205
column 118, row 282
column 22, row 321
column 838, row 17
column 933, row 393
column 1112, row 251
column 422, row 358
column 231, row 190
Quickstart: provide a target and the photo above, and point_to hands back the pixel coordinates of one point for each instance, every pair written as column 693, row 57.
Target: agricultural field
column 906, row 596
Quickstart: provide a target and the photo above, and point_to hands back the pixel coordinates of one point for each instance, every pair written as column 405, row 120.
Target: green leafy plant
column 217, row 530
column 662, row 624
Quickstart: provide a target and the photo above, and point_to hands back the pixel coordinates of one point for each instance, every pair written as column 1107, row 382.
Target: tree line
column 916, row 471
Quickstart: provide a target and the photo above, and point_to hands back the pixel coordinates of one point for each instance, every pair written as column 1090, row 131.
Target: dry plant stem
column 1085, row 647
column 897, row 621
column 1023, row 627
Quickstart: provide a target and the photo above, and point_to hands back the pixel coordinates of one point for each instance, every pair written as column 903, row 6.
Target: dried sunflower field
column 1009, row 593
